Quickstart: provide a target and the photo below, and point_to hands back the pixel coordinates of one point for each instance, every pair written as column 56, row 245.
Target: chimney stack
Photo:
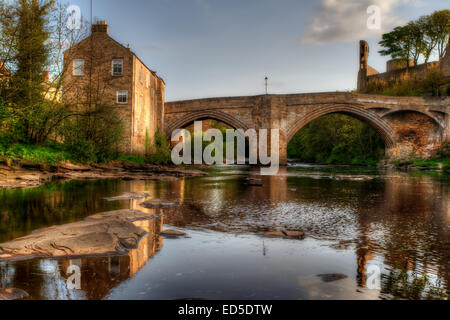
column 100, row 27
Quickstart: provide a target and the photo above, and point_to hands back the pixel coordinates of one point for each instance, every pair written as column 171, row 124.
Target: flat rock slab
column 172, row 234
column 109, row 233
column 128, row 215
column 297, row 235
column 129, row 196
column 332, row 277
column 31, row 176
column 159, row 204
column 12, row 294
column 74, row 167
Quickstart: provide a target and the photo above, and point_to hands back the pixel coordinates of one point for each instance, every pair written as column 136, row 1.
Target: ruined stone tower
column 363, row 64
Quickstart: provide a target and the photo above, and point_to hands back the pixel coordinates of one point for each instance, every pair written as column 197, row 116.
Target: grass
column 50, row 154
column 437, row 163
column 133, row 159
column 56, row 153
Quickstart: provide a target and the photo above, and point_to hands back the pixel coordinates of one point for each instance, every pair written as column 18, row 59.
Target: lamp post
column 266, row 79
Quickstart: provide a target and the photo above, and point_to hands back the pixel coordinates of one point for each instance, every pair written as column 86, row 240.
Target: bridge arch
column 380, row 125
column 425, row 113
column 203, row 115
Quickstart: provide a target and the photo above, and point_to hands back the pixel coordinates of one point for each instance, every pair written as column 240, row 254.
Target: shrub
column 447, row 91
column 35, row 154
column 94, row 136
column 444, row 150
column 132, row 159
column 376, row 86
column 433, row 80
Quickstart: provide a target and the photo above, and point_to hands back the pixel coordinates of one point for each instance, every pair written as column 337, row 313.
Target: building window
column 117, row 67
column 147, row 80
column 122, row 97
column 78, row 67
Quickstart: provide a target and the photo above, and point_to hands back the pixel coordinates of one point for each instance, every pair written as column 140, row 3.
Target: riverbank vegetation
column 440, row 161
column 434, row 84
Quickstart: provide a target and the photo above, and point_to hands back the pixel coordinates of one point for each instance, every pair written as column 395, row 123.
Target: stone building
column 114, row 74
column 396, row 70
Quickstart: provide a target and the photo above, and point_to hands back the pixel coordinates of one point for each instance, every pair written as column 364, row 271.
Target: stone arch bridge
column 408, row 125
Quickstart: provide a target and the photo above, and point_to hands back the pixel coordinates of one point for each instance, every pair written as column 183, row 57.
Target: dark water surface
column 355, row 219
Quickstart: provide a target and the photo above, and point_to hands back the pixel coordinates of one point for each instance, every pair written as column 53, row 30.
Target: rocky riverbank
column 28, row 176
column 103, row 234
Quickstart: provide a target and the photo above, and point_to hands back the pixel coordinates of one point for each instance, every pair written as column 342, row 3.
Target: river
column 358, row 222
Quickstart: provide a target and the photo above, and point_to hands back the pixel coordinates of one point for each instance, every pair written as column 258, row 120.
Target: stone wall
column 418, row 72
column 147, row 107
column 395, row 72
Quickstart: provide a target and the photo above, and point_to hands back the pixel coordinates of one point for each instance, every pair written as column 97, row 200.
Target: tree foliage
column 419, row 38
column 33, row 38
column 337, row 139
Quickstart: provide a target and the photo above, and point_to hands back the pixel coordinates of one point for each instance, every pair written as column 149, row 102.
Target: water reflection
column 356, row 218
column 47, row 279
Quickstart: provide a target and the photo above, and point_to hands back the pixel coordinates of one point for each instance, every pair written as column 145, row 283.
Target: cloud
column 346, row 20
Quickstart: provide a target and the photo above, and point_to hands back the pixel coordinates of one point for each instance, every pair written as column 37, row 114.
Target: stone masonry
column 394, row 72
column 408, row 125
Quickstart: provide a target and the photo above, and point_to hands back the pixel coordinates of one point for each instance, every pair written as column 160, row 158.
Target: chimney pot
column 100, row 27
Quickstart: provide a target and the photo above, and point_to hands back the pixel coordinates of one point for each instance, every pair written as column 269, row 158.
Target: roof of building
column 105, row 31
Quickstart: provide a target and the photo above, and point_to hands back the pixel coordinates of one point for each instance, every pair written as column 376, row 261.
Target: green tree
column 440, row 23
column 404, row 43
column 31, row 59
column 431, row 37
column 416, row 35
column 418, row 38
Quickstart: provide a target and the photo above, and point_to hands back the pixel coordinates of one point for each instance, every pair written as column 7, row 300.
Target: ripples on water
column 353, row 218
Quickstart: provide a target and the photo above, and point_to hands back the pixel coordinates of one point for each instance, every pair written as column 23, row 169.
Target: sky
column 218, row 48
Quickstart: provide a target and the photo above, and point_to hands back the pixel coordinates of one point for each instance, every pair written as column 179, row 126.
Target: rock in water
column 159, row 204
column 332, row 277
column 110, row 233
column 274, row 234
column 12, row 294
column 299, row 235
column 172, row 234
column 129, row 196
